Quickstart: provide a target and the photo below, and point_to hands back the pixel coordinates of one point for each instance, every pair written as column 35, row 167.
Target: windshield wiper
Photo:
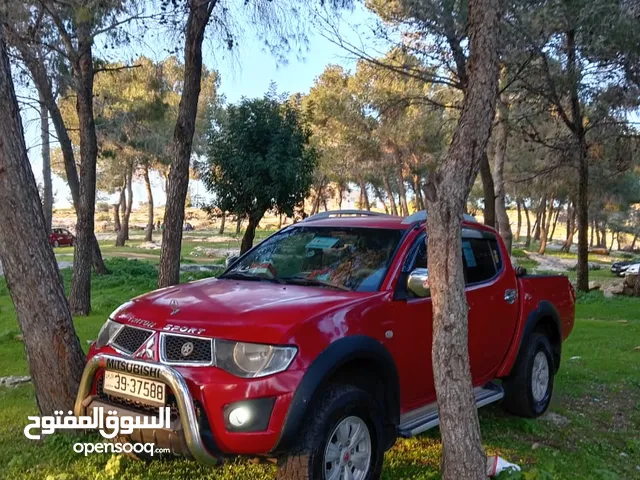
column 250, row 277
column 314, row 282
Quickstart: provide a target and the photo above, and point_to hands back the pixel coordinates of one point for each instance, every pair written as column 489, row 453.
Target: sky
column 248, row 74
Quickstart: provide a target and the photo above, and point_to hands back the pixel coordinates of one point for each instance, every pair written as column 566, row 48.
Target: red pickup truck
column 314, row 347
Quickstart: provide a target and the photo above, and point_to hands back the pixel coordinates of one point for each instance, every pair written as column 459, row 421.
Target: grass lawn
column 593, row 431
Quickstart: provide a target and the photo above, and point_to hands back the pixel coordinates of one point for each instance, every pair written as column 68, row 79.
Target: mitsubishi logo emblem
column 187, row 349
column 174, row 307
column 146, row 351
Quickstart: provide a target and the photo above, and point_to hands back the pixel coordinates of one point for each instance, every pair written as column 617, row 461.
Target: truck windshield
column 354, row 259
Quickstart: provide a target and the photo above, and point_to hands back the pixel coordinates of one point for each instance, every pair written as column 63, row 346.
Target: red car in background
column 60, row 237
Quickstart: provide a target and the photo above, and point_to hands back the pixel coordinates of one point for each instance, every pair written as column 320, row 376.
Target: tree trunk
column 238, row 225
column 279, row 221
column 392, row 200
column 591, row 236
column 315, row 206
column 364, row 195
column 501, row 136
column 149, row 235
column 518, row 205
column 42, row 82
column 544, row 225
column 555, row 223
column 116, row 217
column 402, row 191
column 47, row 200
column 30, row 267
column 340, row 194
column 379, row 196
column 571, row 228
column 120, row 238
column 222, row 222
column 597, row 230
column 613, row 238
column 489, row 210
column 169, row 268
column 418, row 192
column 603, row 237
column 127, row 213
column 80, row 292
column 633, row 243
column 463, row 457
column 250, row 233
column 540, row 218
column 526, row 213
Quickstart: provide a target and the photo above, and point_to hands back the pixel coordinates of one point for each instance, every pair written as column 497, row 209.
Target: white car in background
column 633, row 269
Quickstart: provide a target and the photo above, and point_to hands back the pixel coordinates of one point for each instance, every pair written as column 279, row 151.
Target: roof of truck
column 365, row 219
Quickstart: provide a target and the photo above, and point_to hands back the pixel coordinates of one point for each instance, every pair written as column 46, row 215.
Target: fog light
column 249, row 415
column 239, row 416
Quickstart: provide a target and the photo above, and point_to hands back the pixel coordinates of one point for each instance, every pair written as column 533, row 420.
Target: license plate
column 134, row 388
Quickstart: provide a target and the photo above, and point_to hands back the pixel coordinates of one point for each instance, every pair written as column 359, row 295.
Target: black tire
column 56, row 244
column 305, row 461
column 519, row 397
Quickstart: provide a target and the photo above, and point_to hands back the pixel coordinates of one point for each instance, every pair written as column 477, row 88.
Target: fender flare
column 544, row 310
column 336, row 355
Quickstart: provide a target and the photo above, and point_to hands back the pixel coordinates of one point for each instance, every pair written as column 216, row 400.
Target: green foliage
column 136, row 108
column 259, row 157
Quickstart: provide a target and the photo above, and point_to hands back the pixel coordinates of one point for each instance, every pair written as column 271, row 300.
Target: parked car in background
column 619, row 268
column 61, row 237
column 314, row 346
column 632, row 269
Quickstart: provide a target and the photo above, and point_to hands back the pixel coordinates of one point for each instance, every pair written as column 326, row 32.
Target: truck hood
column 260, row 312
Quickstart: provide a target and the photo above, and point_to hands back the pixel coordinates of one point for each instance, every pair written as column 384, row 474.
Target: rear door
column 493, row 306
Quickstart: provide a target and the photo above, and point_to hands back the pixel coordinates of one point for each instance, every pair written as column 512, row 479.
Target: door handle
column 510, row 296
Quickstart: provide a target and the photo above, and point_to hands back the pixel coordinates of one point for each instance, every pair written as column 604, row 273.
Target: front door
column 409, row 333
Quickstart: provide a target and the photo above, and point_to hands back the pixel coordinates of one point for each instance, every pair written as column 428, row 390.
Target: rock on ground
column 13, row 381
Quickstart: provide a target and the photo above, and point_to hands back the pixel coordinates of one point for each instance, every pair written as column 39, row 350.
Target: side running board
column 424, row 418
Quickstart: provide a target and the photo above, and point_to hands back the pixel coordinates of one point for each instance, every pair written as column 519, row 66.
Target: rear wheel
column 56, row 244
column 528, row 390
column 342, row 439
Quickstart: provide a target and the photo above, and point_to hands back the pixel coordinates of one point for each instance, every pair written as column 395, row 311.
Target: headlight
column 252, row 360
column 107, row 332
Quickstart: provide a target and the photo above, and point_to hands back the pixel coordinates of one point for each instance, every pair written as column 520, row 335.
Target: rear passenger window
column 481, row 259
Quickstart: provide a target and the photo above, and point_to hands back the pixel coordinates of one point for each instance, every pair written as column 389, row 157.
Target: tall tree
column 31, row 270
column 446, row 194
column 28, row 34
column 580, row 58
column 178, row 183
column 47, row 200
column 259, row 159
column 75, row 25
column 500, row 152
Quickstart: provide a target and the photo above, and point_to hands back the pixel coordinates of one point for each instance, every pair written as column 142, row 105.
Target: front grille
column 140, row 407
column 177, row 348
column 129, row 339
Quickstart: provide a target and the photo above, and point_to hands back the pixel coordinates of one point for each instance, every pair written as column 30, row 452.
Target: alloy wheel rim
column 540, row 377
column 347, row 455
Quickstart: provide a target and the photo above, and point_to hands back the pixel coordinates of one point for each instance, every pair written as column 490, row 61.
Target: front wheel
column 342, row 439
column 527, row 391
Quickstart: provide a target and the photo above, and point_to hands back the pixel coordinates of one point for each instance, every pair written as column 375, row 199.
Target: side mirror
column 418, row 282
column 230, row 260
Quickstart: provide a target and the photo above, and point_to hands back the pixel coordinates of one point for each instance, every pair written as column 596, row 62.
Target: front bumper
column 189, row 427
